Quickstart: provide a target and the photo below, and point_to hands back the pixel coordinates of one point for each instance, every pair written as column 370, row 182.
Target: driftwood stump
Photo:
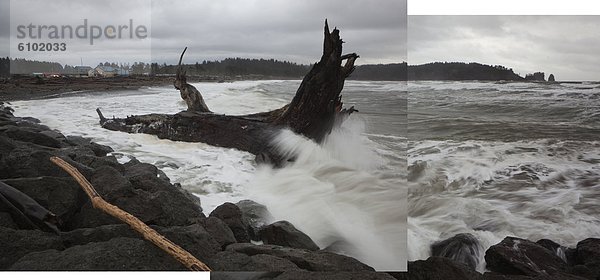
column 189, row 93
column 315, row 109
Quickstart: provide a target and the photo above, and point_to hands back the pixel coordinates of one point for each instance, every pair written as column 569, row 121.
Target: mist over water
column 500, row 159
column 348, row 193
column 336, row 195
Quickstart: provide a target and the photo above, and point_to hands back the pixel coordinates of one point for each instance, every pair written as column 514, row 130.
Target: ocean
column 348, row 194
column 497, row 159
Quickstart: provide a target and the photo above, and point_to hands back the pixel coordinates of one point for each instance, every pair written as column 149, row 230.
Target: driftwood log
column 315, row 109
column 181, row 255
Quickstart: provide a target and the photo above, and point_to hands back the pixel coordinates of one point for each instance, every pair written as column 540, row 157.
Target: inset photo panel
column 503, row 152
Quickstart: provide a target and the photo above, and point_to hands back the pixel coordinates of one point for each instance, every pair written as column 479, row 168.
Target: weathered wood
column 315, row 109
column 189, row 93
column 181, row 255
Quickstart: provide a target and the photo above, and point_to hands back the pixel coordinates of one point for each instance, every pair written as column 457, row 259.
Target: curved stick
column 183, row 256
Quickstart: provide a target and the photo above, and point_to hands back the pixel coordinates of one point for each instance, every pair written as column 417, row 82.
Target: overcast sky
column 567, row 46
column 281, row 29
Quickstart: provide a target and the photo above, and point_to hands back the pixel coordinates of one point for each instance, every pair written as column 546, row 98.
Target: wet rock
column 568, row 255
column 522, row 257
column 194, row 239
column 96, row 162
column 27, row 160
column 109, row 183
column 338, row 275
column 232, row 216
column 283, row 233
column 116, row 254
column 162, row 208
column 97, row 234
column 256, row 215
column 18, row 243
column 588, row 258
column 233, row 261
column 557, row 276
column 219, row 231
column 304, row 259
column 25, row 211
column 7, row 221
column 439, row 268
column 145, row 176
column 588, row 250
column 100, row 150
column 62, row 196
column 463, row 248
column 29, row 135
column 551, row 78
column 97, row 149
column 6, row 145
column 89, row 217
column 166, row 205
column 56, row 135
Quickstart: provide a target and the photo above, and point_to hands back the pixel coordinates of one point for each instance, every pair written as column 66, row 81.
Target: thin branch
column 183, row 256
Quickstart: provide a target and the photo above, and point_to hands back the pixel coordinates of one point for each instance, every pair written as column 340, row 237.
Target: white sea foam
column 335, row 195
column 534, row 190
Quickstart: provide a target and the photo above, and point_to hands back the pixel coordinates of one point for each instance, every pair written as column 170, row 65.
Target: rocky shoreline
column 233, row 237
column 512, row 258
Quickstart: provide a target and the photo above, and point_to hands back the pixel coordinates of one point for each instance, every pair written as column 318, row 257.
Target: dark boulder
column 25, row 211
column 243, row 275
column 234, row 261
column 25, row 134
column 116, row 254
column 97, row 149
column 163, row 208
column 62, row 196
column 192, row 238
column 556, row 276
column 232, row 216
column 283, row 233
column 338, row 275
column 7, row 221
column 145, row 176
column 588, row 251
column 463, row 248
column 97, row 234
column 440, row 268
column 97, row 162
column 27, row 160
column 18, row 243
column 522, row 257
column 588, row 258
column 167, row 205
column 569, row 255
column 256, row 215
column 304, row 259
column 110, row 183
column 89, row 217
column 219, row 231
column 551, row 78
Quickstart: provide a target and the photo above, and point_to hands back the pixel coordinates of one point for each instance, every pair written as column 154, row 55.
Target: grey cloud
column 281, row 29
column 563, row 45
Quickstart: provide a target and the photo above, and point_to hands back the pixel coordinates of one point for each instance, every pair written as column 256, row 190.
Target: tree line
column 231, row 67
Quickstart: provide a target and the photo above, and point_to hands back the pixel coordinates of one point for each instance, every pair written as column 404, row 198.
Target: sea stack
column 551, row 78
